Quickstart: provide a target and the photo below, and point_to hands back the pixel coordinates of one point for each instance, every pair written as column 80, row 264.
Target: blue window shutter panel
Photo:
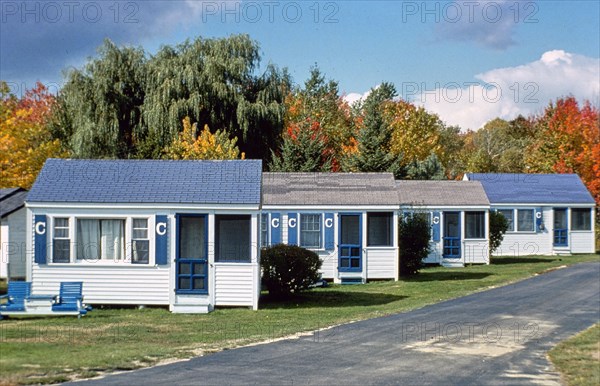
column 292, row 228
column 162, row 235
column 39, row 227
column 435, row 226
column 539, row 220
column 275, row 226
column 329, row 235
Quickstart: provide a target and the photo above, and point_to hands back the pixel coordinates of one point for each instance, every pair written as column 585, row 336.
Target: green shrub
column 288, row 269
column 413, row 242
column 498, row 227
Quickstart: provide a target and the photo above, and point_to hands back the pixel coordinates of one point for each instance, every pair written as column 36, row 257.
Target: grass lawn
column 35, row 350
column 578, row 358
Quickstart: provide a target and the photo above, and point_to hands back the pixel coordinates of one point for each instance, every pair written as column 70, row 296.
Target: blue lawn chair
column 18, row 293
column 70, row 300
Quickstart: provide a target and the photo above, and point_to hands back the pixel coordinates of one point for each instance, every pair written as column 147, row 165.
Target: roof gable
column 533, row 188
column 11, row 200
column 330, row 189
column 148, row 181
column 441, row 193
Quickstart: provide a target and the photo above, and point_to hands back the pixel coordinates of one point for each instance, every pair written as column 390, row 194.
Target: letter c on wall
column 292, row 223
column 275, row 222
column 328, row 222
column 40, row 228
column 161, row 228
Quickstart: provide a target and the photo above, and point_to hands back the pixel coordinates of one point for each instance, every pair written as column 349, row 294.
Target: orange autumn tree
column 568, row 141
column 25, row 141
column 318, row 127
column 204, row 145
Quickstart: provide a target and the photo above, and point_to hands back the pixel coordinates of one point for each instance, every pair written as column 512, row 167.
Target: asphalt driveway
column 495, row 337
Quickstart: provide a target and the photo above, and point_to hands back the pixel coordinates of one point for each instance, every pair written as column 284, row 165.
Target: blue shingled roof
column 533, row 188
column 148, row 181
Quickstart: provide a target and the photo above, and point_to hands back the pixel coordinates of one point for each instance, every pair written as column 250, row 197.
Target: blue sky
column 468, row 61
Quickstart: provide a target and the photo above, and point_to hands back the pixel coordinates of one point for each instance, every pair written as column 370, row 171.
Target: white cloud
column 485, row 22
column 354, row 97
column 508, row 92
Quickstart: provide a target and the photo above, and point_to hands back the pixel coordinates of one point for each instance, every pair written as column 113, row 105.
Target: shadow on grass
column 443, row 276
column 324, row 299
column 521, row 260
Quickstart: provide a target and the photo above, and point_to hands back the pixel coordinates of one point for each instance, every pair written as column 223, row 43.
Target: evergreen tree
column 374, row 137
column 429, row 169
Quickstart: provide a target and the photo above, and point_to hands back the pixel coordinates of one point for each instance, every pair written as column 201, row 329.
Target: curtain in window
column 88, row 239
column 112, row 239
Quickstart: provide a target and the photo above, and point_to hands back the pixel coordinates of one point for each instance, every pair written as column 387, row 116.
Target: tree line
column 206, row 99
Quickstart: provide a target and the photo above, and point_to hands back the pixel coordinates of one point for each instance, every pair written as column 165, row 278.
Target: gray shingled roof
column 441, row 193
column 11, row 199
column 329, row 189
column 148, row 181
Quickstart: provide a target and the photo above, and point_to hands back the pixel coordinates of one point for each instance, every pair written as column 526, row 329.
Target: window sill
column 375, row 247
column 101, row 264
column 475, row 239
column 581, row 231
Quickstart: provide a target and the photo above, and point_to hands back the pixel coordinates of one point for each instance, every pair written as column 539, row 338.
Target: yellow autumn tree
column 25, row 141
column 203, row 146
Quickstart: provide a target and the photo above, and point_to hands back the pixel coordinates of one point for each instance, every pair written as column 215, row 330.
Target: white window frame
column 267, row 242
column 69, row 237
column 517, row 210
column 482, row 212
column 571, row 222
column 128, row 237
column 134, row 239
column 321, row 231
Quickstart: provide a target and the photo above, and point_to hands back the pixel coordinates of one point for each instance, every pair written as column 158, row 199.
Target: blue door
column 560, row 227
column 350, row 246
column 451, row 235
column 191, row 270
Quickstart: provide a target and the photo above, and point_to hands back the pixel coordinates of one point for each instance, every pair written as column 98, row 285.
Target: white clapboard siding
column 381, row 263
column 234, row 284
column 106, row 284
column 329, row 264
column 476, row 252
column 582, row 242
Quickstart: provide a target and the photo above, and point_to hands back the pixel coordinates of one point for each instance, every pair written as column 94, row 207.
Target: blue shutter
column 39, row 228
column 329, row 235
column 161, row 238
column 539, row 220
column 275, row 226
column 435, row 226
column 292, row 228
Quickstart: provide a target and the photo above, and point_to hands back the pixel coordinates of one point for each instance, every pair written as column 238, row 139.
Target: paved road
column 495, row 337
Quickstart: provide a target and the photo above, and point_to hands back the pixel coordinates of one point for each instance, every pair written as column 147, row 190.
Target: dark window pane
column 350, row 229
column 525, row 220
column 345, row 263
column 475, row 225
column 184, row 283
column 379, row 229
column 232, row 238
column 355, row 263
column 191, row 240
column 581, row 219
column 199, row 268
column 61, row 251
column 141, row 252
column 355, row 251
column 184, row 268
column 198, row 283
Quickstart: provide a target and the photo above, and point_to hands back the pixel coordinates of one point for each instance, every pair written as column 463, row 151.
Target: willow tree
column 126, row 103
column 100, row 114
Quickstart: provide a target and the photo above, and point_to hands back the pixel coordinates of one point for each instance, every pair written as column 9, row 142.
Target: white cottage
column 12, row 233
column 147, row 232
column 349, row 219
column 548, row 214
column 458, row 212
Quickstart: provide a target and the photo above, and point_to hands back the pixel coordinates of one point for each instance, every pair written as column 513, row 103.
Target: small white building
column 12, row 233
column 458, row 212
column 349, row 219
column 147, row 232
column 548, row 214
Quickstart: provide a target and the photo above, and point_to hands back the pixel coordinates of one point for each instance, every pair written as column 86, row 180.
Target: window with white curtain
column 100, row 239
column 140, row 243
